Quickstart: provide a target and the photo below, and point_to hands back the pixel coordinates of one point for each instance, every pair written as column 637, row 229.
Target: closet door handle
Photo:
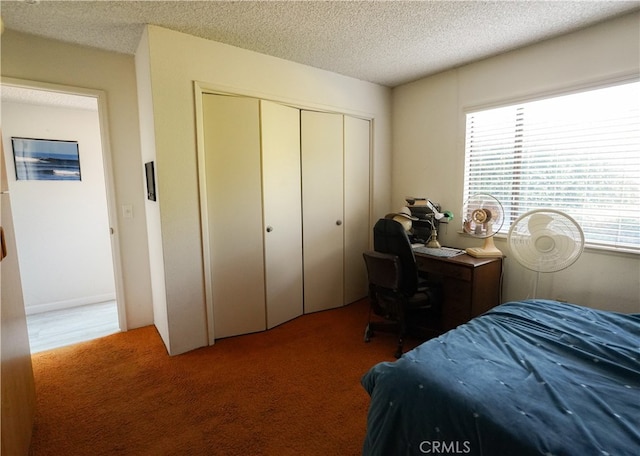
column 338, row 222
column 3, row 245
column 269, row 229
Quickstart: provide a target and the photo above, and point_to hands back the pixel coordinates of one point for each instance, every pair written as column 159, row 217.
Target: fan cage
column 545, row 240
column 472, row 223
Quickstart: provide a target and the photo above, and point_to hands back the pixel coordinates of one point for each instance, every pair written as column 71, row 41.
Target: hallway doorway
column 66, row 247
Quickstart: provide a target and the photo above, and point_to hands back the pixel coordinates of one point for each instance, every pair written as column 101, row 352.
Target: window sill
column 591, row 247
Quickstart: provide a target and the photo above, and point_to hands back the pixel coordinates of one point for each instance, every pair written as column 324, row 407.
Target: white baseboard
column 76, row 302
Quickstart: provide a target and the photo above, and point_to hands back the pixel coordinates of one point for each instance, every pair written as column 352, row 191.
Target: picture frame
column 46, row 159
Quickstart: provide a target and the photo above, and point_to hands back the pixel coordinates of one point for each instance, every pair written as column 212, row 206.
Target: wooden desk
column 470, row 286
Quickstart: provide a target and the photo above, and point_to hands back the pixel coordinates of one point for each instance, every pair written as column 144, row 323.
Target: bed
column 533, row 377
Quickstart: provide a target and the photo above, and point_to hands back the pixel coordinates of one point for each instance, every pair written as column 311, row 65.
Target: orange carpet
column 293, row 390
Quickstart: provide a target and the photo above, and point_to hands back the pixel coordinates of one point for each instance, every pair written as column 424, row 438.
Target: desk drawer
column 455, row 271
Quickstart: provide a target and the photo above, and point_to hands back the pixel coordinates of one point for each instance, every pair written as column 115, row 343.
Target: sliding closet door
column 322, row 217
column 234, row 210
column 282, row 211
column 356, row 207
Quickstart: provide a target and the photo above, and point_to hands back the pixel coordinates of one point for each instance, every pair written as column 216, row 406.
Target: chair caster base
column 368, row 334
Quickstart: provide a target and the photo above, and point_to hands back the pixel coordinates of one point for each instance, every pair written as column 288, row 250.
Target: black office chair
column 389, row 236
column 396, row 293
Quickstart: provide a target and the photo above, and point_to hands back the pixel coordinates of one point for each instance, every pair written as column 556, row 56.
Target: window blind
column 578, row 153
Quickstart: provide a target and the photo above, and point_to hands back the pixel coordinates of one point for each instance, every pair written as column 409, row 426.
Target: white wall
column 31, row 58
column 62, row 227
column 176, row 60
column 428, row 146
column 152, row 208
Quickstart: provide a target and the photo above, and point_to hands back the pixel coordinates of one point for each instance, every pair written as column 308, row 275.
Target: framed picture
column 151, row 180
column 46, row 159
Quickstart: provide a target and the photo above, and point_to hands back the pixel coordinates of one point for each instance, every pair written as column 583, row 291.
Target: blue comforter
column 534, row 377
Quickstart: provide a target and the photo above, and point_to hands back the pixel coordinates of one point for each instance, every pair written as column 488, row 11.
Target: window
column 577, row 153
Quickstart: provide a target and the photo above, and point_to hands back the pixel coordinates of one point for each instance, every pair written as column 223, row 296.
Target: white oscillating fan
column 482, row 217
column 545, row 240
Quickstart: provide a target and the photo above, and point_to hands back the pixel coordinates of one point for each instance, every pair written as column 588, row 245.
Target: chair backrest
column 383, row 269
column 390, row 236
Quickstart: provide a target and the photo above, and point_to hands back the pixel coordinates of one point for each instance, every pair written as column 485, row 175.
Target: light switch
column 127, row 211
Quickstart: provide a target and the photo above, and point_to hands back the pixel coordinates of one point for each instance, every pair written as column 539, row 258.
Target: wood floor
column 59, row 328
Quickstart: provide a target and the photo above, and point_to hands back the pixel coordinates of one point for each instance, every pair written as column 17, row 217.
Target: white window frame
column 479, row 180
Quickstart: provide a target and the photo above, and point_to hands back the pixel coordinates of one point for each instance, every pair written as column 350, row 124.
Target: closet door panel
column 233, row 183
column 282, row 211
column 356, row 206
column 322, row 203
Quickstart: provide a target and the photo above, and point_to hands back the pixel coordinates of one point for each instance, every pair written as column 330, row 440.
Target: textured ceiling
column 386, row 42
column 47, row 98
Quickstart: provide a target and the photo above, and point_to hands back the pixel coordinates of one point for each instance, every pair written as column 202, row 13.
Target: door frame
column 107, row 163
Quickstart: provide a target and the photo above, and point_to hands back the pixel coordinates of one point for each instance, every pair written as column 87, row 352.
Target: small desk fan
column 482, row 217
column 545, row 240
